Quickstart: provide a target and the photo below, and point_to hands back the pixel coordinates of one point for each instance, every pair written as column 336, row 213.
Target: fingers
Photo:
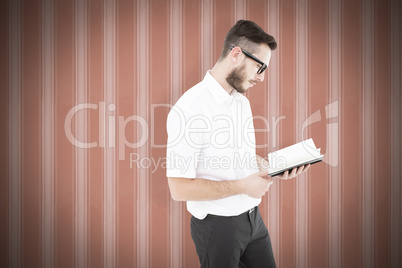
column 303, row 169
column 256, row 185
column 270, row 182
column 284, row 176
column 295, row 172
column 298, row 170
column 307, row 167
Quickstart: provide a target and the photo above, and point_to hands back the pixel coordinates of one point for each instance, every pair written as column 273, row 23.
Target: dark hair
column 247, row 35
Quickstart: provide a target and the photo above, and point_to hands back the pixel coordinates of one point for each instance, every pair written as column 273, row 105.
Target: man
column 212, row 163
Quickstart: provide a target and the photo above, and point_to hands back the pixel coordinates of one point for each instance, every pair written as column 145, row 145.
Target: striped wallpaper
column 85, row 90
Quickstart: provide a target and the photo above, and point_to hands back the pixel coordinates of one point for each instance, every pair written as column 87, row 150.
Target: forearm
column 184, row 189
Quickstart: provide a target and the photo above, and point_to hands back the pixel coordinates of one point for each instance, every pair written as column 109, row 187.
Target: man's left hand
column 294, row 173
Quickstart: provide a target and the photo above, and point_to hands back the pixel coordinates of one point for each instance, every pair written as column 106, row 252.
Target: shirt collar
column 219, row 94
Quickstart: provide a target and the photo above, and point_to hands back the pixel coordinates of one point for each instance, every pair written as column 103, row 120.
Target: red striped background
column 335, row 77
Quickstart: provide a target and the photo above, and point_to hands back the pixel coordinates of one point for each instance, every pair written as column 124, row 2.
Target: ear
column 235, row 54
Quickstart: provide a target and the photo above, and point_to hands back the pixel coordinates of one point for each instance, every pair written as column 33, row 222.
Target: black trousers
column 230, row 242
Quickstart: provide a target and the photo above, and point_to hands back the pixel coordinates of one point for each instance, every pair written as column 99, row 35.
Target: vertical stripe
column 239, row 10
column 159, row 93
column 109, row 199
column 301, row 115
column 81, row 130
column 64, row 161
column 176, row 208
column 15, row 135
column 334, row 211
column 287, row 127
column 351, row 121
column 368, row 134
column 273, row 72
column 192, row 71
column 142, row 111
column 317, row 95
column 30, row 132
column 220, row 21
column 382, row 134
column 396, row 134
column 206, row 36
column 176, row 48
column 95, row 169
column 274, row 119
column 126, row 106
column 5, row 132
column 48, row 134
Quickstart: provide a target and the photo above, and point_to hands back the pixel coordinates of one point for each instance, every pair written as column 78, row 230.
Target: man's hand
column 255, row 185
column 295, row 172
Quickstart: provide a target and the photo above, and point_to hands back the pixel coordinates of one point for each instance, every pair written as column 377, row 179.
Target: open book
column 296, row 155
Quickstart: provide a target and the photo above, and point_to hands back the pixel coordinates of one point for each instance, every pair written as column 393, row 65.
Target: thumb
column 262, row 173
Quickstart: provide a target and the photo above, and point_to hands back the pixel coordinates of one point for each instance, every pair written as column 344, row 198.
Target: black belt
column 244, row 213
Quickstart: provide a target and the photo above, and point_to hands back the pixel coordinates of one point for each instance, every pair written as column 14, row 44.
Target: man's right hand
column 256, row 185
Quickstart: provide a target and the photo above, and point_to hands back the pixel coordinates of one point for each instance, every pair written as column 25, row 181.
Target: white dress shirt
column 211, row 136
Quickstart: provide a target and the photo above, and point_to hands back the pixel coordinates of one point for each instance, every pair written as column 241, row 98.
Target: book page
column 293, row 155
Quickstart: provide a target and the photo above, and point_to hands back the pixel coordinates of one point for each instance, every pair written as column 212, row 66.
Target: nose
column 260, row 77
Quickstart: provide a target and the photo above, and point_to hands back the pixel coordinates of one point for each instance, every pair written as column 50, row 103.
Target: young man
column 212, row 163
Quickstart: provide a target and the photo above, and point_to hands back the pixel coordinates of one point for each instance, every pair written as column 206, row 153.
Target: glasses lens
column 262, row 69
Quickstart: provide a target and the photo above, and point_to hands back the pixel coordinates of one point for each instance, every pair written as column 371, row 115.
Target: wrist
column 237, row 186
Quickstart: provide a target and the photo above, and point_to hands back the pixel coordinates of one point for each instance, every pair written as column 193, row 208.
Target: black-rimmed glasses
column 263, row 65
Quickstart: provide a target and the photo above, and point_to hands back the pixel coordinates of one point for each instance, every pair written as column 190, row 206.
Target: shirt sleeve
column 186, row 138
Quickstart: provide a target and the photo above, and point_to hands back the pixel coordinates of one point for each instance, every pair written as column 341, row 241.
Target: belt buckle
column 251, row 210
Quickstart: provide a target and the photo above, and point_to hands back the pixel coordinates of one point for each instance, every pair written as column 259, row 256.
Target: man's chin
column 241, row 89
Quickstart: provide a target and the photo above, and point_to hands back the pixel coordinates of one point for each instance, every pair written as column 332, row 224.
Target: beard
column 236, row 78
